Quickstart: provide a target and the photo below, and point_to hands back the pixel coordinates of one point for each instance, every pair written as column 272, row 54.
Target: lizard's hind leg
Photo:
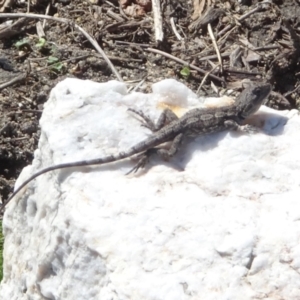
column 165, row 118
column 163, row 153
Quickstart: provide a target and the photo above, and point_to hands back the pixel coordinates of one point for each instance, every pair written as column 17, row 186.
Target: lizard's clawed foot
column 248, row 129
column 143, row 160
column 230, row 124
column 147, row 122
column 165, row 118
column 141, row 164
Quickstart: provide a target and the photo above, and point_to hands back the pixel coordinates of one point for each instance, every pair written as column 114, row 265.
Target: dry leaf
column 211, row 15
column 146, row 4
column 125, row 3
column 200, row 6
column 134, row 10
column 252, row 56
column 4, row 4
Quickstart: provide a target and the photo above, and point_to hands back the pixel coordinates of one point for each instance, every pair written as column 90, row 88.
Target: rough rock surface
column 220, row 221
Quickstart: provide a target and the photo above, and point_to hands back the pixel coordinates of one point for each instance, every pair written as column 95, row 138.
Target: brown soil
column 263, row 46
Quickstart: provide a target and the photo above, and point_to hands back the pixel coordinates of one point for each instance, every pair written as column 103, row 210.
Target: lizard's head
column 252, row 98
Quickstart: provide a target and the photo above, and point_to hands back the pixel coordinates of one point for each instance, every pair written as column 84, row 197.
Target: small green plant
column 185, row 72
column 41, row 43
column 56, row 65
column 24, row 43
column 52, row 60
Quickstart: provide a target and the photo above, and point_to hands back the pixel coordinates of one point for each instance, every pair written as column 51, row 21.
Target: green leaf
column 185, row 71
column 22, row 43
column 41, row 43
column 52, row 60
column 57, row 67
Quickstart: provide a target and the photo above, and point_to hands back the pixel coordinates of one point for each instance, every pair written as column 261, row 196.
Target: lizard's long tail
column 152, row 141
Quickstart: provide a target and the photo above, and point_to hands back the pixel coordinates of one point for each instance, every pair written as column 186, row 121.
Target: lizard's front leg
column 163, row 153
column 165, row 118
column 232, row 125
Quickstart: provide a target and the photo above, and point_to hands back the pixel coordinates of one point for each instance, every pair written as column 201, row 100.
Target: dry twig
column 211, row 15
column 185, row 63
column 175, row 30
column 258, row 7
column 13, row 81
column 204, row 78
column 159, row 35
column 70, row 23
column 291, row 92
column 212, row 36
column 9, row 30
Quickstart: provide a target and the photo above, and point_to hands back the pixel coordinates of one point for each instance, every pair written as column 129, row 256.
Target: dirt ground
column 257, row 41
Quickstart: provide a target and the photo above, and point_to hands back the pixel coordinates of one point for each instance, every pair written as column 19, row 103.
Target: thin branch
column 12, row 140
column 70, row 23
column 114, row 16
column 243, row 17
column 46, row 13
column 138, row 85
column 159, row 35
column 212, row 36
column 175, row 30
column 291, row 92
column 229, row 70
column 204, row 78
column 226, row 54
column 185, row 63
column 223, row 55
column 13, row 81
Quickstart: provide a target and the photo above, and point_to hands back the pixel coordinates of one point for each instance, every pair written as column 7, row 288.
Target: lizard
column 170, row 128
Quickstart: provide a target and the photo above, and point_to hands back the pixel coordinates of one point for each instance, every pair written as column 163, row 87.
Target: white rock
column 220, row 221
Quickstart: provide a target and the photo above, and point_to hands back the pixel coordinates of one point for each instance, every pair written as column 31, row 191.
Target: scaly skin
column 169, row 127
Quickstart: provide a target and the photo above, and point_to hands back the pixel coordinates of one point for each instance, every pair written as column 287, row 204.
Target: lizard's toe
column 141, row 164
column 249, row 129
